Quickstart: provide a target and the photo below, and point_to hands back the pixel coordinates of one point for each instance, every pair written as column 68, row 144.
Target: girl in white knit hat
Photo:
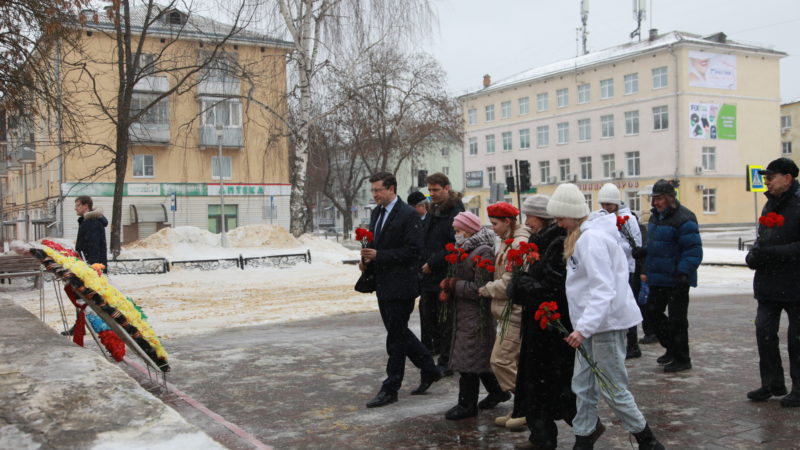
column 601, row 309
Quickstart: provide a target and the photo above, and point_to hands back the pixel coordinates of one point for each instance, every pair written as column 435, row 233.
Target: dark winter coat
column 437, row 231
column 546, row 362
column 91, row 240
column 473, row 323
column 776, row 253
column 674, row 247
column 398, row 246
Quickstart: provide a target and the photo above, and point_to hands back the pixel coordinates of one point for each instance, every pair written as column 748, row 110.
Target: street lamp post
column 223, row 237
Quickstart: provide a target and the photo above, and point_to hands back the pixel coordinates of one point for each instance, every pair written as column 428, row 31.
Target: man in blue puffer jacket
column 674, row 251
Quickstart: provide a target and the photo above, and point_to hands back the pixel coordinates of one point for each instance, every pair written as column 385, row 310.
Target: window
column 508, row 172
column 659, row 77
column 544, row 171
column 524, row 138
column 147, row 64
column 607, row 88
column 505, row 110
column 634, row 201
column 491, row 174
column 563, row 169
column 446, row 170
column 586, row 168
column 660, row 118
column 786, row 148
column 587, row 197
column 631, row 83
column 222, row 67
column 157, row 114
column 632, row 122
column 709, row 158
column 143, row 166
column 584, row 129
column 607, row 126
column 472, row 116
column 543, row 136
column 226, row 168
column 215, row 221
column 489, row 143
column 584, row 93
column 228, row 111
column 633, row 163
column 608, row 166
column 786, row 122
column 489, row 113
column 445, row 152
column 524, row 105
column 473, row 146
column 506, row 141
column 562, row 97
column 541, row 102
column 563, row 132
column 709, row 200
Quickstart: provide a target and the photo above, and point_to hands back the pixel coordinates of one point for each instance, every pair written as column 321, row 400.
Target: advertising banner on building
column 712, row 121
column 712, row 70
column 474, row 179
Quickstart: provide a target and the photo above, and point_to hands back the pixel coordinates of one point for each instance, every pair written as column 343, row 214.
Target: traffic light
column 510, row 184
column 524, row 175
column 422, row 178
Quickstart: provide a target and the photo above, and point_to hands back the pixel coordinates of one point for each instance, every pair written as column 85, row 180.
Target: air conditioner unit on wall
column 620, row 174
column 575, row 178
column 698, row 170
column 700, row 187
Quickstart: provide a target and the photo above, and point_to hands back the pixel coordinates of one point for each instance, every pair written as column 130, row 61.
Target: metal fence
column 161, row 265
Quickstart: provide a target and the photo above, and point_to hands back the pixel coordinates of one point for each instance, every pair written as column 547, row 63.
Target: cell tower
column 639, row 14
column 584, row 20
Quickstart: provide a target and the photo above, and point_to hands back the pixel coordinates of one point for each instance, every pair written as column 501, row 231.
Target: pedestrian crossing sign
column 755, row 181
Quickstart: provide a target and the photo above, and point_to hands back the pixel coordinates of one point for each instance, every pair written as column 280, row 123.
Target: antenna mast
column 639, row 14
column 584, row 20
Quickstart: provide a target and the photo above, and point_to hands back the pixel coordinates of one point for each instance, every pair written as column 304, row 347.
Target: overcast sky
column 504, row 37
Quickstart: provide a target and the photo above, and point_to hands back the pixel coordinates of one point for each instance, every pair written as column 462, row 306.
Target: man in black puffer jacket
column 775, row 257
column 437, row 231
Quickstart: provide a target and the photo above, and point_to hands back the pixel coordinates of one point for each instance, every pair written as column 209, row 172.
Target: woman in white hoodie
column 601, row 309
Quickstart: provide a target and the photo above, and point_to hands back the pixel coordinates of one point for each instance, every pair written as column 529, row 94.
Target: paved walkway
column 304, row 385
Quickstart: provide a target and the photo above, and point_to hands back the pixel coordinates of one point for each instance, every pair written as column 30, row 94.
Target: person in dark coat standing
column 775, row 257
column 437, row 231
column 91, row 240
column 674, row 251
column 546, row 363
column 473, row 324
column 393, row 254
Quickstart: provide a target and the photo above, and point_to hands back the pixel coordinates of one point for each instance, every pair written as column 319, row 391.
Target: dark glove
column 683, row 280
column 524, row 287
column 639, row 252
column 755, row 258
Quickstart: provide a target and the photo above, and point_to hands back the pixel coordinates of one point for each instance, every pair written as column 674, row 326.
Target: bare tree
column 321, row 30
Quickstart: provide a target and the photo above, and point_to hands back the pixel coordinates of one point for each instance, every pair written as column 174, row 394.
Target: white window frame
column 786, row 148
column 227, row 167
column 543, row 136
column 584, row 130
column 609, row 165
column 524, row 104
column 562, row 98
column 709, row 159
column 542, row 100
column 141, row 160
column 631, row 123
column 491, row 175
column 473, row 146
column 660, row 79
column 633, row 201
column 709, row 201
column 564, row 169
column 472, row 116
column 786, row 122
column 489, row 112
column 660, row 118
column 158, row 114
column 607, row 126
column 524, row 138
column 584, row 93
column 607, row 88
column 505, row 109
column 586, row 167
column 490, row 144
column 562, row 129
column 507, row 141
column 544, row 171
column 233, row 110
column 631, row 83
column 508, row 171
column 634, row 161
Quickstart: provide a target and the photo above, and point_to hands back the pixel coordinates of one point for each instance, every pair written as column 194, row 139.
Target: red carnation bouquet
column 624, row 228
column 548, row 316
column 454, row 256
column 771, row 220
column 60, row 248
column 487, row 272
column 518, row 260
column 364, row 236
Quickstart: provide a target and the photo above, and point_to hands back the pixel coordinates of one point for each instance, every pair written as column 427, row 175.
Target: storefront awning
column 148, row 213
column 468, row 199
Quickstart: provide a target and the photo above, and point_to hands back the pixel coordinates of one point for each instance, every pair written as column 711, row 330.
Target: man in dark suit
column 393, row 257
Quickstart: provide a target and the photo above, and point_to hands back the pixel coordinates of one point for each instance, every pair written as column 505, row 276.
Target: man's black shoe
column 665, row 359
column 492, row 400
column 633, row 351
column 649, row 339
column 792, row 400
column 70, row 332
column 427, row 381
column 459, row 412
column 677, row 366
column 382, row 399
column 764, row 393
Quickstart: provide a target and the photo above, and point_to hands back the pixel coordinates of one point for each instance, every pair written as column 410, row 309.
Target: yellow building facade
column 676, row 106
column 174, row 151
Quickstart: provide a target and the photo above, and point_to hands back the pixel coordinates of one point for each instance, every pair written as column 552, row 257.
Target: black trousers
column 436, row 334
column 768, row 320
column 401, row 343
column 672, row 331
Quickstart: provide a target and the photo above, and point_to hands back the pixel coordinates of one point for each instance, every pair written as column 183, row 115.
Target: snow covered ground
column 185, row 302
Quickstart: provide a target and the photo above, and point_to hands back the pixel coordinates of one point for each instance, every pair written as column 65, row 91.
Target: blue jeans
column 608, row 350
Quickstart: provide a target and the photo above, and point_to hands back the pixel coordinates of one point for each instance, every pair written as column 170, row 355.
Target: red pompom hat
column 502, row 210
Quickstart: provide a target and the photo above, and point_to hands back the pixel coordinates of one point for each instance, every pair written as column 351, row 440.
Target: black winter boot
column 633, row 350
column 583, row 443
column 468, row 386
column 646, row 439
column 496, row 394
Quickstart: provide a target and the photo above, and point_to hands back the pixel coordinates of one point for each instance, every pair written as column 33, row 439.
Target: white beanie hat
column 536, row 205
column 609, row 194
column 567, row 201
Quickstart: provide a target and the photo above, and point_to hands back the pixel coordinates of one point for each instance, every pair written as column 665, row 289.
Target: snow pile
column 261, row 235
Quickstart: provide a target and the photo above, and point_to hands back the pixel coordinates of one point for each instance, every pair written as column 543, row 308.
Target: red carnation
column 464, row 256
column 490, row 269
column 450, row 247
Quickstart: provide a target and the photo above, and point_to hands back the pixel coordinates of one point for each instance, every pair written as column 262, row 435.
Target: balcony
column 149, row 133
column 231, row 137
column 152, row 84
column 228, row 86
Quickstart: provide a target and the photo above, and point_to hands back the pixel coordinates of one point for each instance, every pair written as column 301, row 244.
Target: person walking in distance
column 393, row 254
column 774, row 257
